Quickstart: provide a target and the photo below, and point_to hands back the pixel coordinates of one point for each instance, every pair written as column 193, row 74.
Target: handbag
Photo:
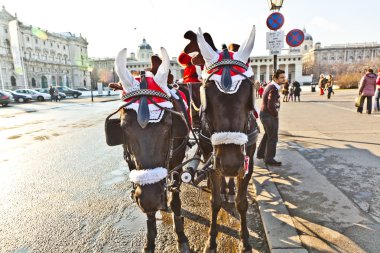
column 358, row 101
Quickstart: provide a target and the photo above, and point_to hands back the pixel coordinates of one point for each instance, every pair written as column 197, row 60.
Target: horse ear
column 209, row 40
column 193, row 45
column 233, row 47
column 155, row 63
column 170, row 78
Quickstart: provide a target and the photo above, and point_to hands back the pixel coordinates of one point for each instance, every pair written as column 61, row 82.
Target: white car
column 35, row 94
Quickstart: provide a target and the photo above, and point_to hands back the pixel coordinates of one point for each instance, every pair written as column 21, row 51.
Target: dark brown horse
column 152, row 150
column 229, row 130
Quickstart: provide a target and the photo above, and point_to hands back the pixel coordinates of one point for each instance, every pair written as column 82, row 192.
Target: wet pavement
column 62, row 189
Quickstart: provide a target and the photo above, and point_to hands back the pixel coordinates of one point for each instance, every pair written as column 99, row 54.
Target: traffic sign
column 275, row 42
column 295, row 38
column 275, row 21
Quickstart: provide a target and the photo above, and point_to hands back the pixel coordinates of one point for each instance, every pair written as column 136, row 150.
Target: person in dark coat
column 51, row 92
column 297, row 91
column 269, row 117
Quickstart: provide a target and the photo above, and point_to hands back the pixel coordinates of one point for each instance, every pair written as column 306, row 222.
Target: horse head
column 147, row 144
column 229, row 93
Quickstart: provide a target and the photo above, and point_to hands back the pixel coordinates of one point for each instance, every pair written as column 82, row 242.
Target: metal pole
column 92, row 95
column 274, row 63
column 113, row 73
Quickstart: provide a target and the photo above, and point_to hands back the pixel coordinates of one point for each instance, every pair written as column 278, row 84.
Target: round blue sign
column 275, row 21
column 295, row 38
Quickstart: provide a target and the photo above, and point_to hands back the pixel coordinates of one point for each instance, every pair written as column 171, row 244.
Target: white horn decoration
column 209, row 55
column 246, row 48
column 161, row 77
column 121, row 70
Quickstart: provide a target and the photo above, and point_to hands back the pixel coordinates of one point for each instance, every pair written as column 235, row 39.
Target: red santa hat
column 184, row 59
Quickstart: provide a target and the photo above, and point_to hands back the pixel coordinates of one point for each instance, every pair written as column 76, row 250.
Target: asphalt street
column 62, row 189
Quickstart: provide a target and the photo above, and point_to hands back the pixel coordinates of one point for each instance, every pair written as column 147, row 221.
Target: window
column 57, row 46
column 27, row 39
column 13, row 81
column 6, row 30
column 64, row 47
column 33, row 82
column 36, row 41
column 51, row 44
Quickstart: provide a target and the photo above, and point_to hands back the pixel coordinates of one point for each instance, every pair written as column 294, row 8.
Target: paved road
column 63, row 190
column 331, row 173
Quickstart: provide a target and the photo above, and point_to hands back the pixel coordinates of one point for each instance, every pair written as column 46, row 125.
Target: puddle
column 115, row 180
column 117, row 176
column 22, row 250
column 136, row 221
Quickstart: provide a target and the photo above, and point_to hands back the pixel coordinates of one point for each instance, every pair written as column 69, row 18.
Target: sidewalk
column 329, row 181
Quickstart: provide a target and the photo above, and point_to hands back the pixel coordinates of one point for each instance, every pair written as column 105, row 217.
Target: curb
column 279, row 228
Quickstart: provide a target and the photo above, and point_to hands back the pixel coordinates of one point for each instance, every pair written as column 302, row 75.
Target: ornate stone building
column 104, row 67
column 48, row 58
column 320, row 59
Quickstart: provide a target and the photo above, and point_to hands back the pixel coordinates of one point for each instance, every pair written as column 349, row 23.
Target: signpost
column 295, row 38
column 275, row 42
column 275, row 21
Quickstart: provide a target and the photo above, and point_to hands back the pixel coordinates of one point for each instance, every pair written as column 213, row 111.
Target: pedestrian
column 269, row 117
column 51, row 92
column 377, row 95
column 56, row 95
column 261, row 91
column 329, row 86
column 291, row 93
column 257, row 87
column 322, row 84
column 367, row 90
column 297, row 91
column 285, row 91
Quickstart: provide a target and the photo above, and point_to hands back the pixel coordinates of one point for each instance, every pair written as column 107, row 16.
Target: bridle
column 136, row 95
column 212, row 70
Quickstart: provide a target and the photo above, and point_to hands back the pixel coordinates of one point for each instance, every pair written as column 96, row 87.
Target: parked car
column 69, row 92
column 5, row 98
column 18, row 97
column 35, row 94
column 46, row 90
column 83, row 89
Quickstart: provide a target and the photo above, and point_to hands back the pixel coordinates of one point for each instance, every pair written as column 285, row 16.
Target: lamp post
column 275, row 5
column 90, row 68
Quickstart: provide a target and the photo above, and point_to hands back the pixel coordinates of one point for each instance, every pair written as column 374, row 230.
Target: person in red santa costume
column 190, row 86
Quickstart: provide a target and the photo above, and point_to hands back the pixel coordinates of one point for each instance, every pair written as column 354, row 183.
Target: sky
column 112, row 25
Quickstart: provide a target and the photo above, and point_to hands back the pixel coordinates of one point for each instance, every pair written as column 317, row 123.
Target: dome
column 145, row 45
column 307, row 35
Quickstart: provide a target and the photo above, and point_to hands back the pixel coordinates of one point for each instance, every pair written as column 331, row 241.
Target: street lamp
column 275, row 5
column 90, row 68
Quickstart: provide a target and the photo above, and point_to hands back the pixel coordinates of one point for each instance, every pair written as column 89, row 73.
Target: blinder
column 114, row 132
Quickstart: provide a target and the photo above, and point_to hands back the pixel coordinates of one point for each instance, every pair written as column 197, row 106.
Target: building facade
column 320, row 59
column 104, row 67
column 47, row 58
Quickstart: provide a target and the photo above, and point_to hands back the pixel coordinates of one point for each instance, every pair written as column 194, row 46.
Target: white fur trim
column 229, row 138
column 145, row 177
